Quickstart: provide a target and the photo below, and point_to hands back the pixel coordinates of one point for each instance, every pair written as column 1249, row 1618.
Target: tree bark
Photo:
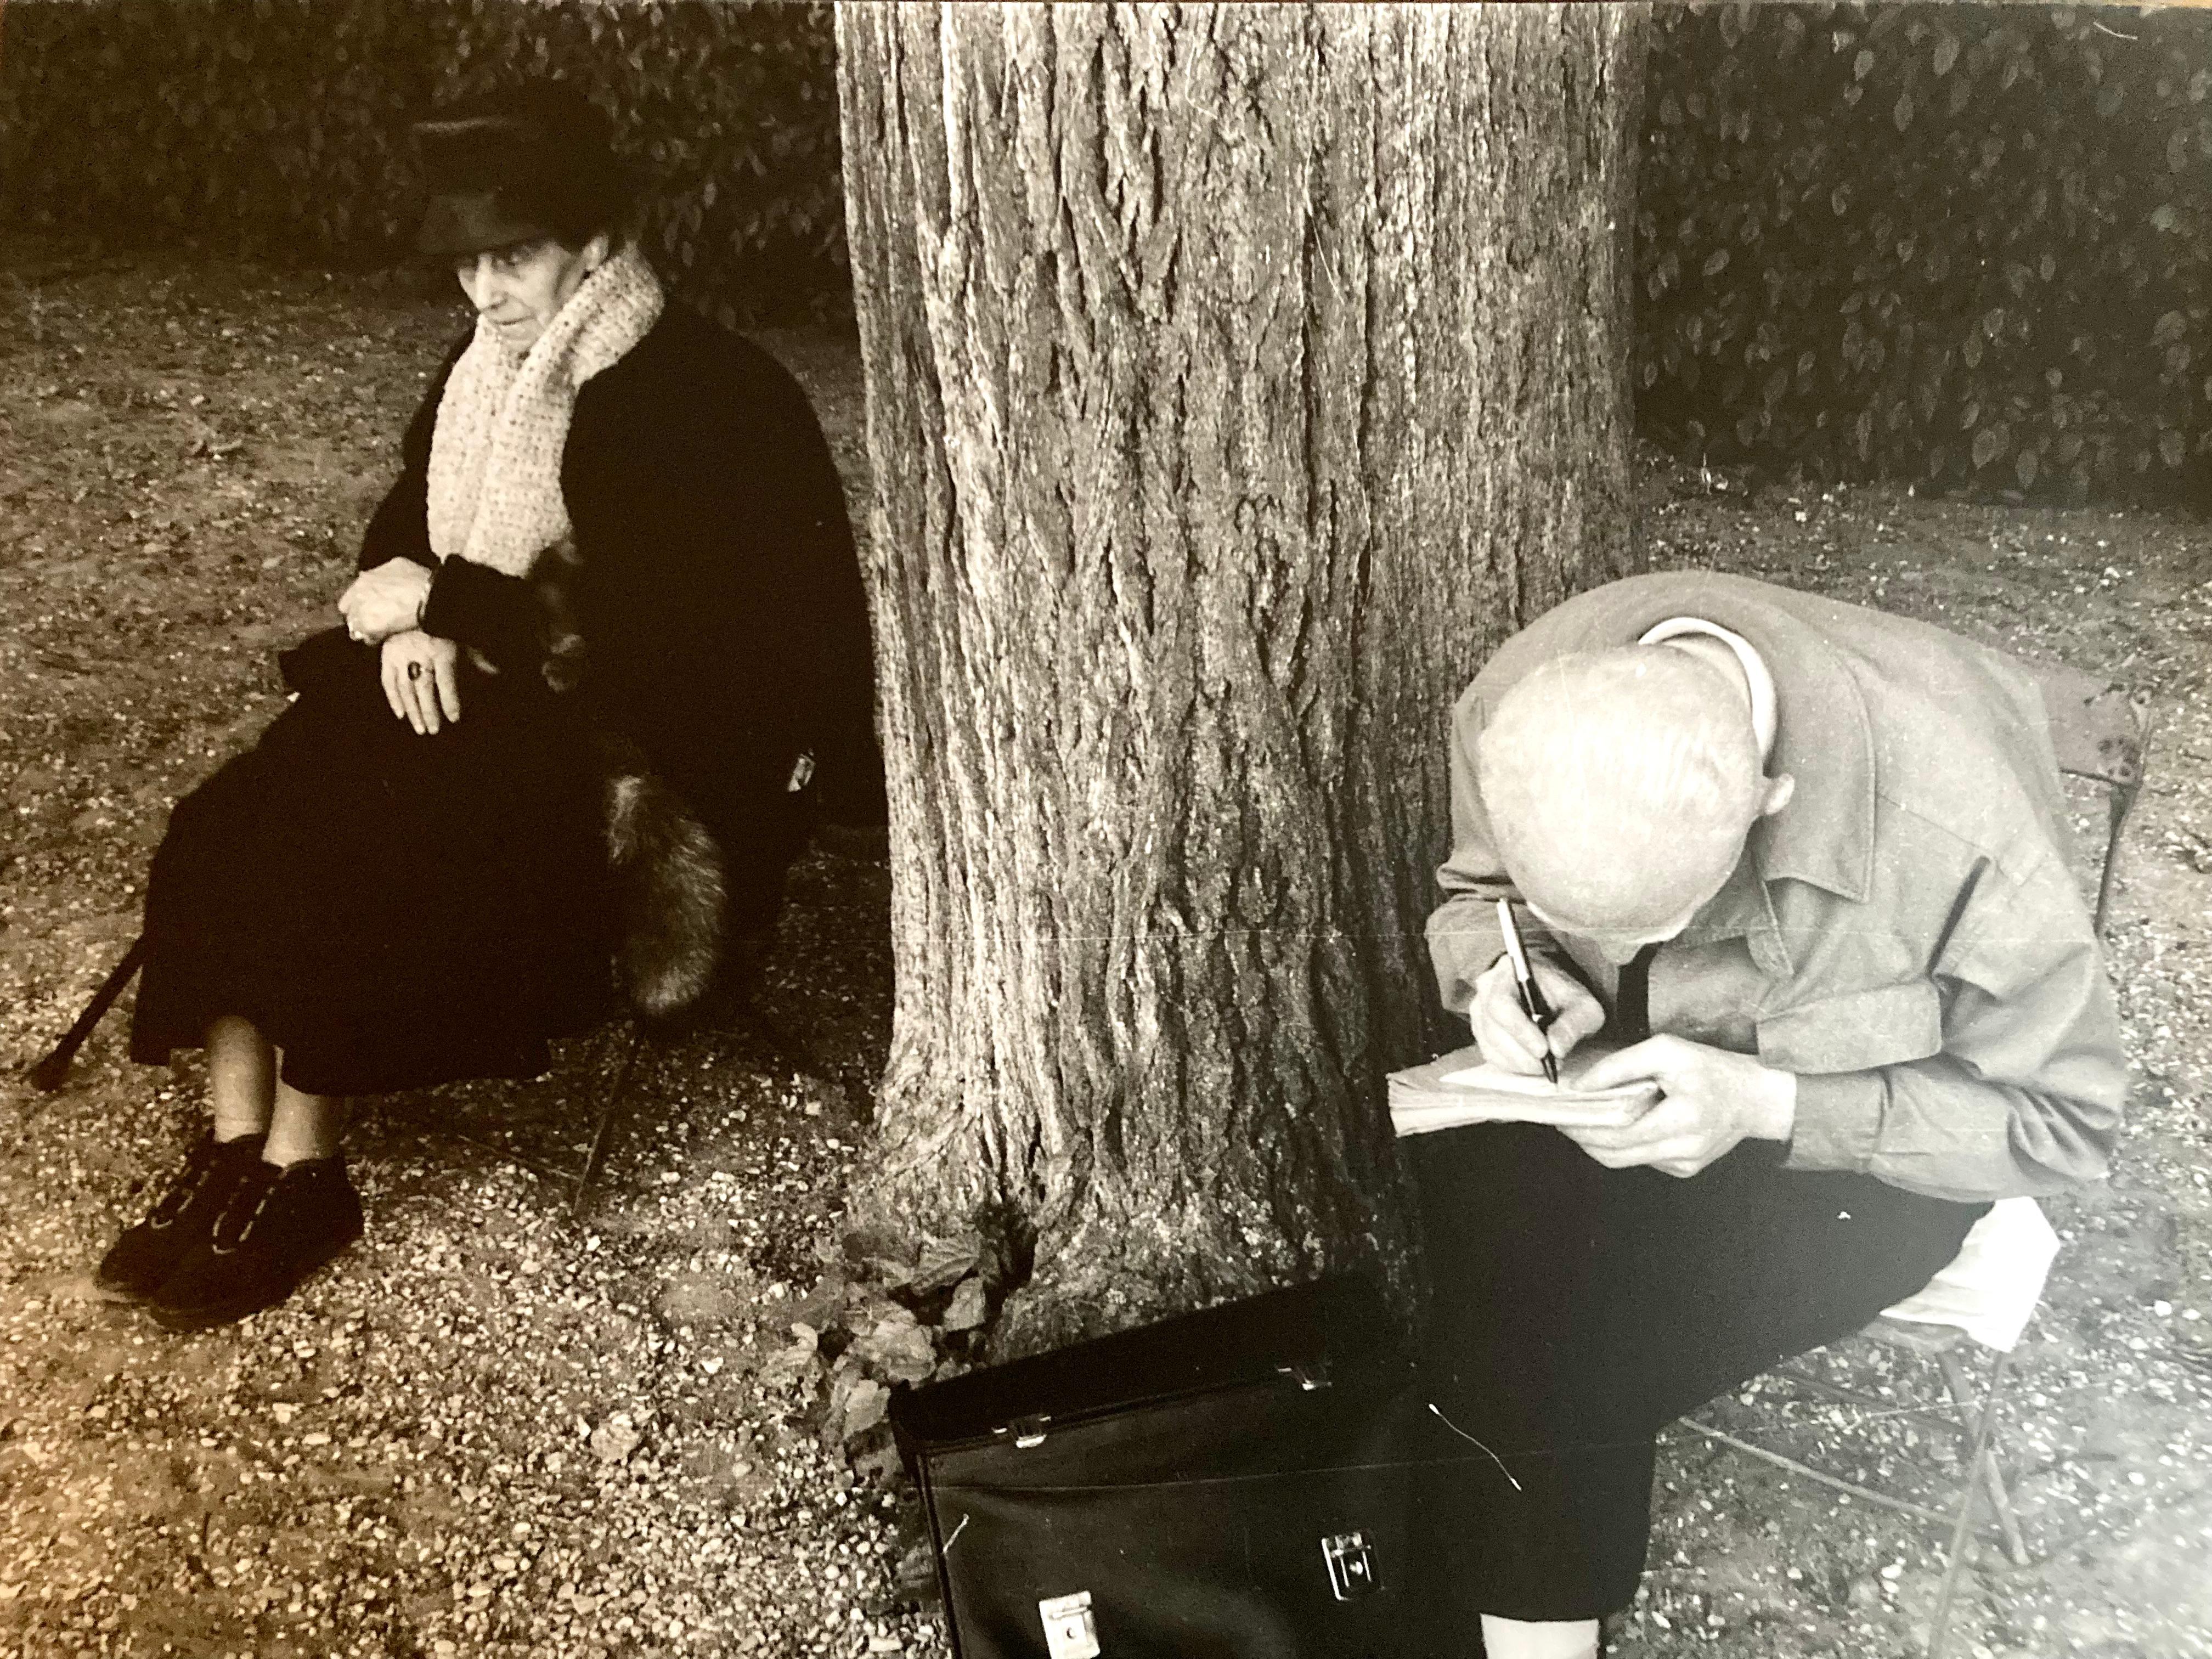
column 1237, row 377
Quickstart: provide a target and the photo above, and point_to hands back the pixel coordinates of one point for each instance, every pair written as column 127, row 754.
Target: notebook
column 1461, row 1087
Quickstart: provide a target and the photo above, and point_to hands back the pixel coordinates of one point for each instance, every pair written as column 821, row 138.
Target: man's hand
column 423, row 679
column 1710, row 1099
column 387, row 600
column 1509, row 1039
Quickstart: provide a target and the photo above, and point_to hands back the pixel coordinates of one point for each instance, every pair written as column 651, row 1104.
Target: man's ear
column 1779, row 788
column 598, row 251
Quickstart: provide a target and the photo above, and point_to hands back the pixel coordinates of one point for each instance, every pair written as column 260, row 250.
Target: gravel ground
column 494, row 1429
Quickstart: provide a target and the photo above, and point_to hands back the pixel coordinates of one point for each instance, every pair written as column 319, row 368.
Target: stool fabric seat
column 1991, row 1288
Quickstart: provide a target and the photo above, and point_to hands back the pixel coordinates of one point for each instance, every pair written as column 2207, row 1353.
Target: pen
column 1532, row 997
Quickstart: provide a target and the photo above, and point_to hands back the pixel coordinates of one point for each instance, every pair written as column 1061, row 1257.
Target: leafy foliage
column 280, row 126
column 1969, row 245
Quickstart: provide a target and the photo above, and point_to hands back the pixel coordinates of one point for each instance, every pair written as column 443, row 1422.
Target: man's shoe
column 140, row 1262
column 280, row 1224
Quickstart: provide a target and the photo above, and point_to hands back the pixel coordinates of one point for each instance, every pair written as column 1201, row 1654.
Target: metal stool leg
column 1806, row 1471
column 1961, row 1390
column 1961, row 1531
column 602, row 1130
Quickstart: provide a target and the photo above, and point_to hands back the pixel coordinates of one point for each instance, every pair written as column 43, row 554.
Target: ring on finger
column 413, row 670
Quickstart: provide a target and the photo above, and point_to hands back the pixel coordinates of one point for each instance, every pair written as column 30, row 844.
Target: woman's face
column 520, row 287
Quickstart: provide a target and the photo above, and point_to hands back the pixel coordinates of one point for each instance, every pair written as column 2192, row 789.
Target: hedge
column 1967, row 245
column 278, row 127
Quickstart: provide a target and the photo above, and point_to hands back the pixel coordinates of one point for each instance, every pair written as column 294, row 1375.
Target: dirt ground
column 495, row 1429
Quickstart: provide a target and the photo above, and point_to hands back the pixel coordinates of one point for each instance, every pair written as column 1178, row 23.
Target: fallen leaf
column 946, row 1262
column 902, row 1353
column 865, row 1407
column 788, row 1365
column 969, row 1303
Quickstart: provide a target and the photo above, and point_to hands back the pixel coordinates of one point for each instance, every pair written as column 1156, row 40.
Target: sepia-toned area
column 500, row 1430
column 493, row 1429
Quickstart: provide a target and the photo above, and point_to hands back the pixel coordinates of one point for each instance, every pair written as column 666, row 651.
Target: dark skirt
column 1577, row 1310
column 392, row 911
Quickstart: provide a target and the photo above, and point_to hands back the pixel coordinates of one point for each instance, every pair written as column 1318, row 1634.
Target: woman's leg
column 1516, row 1638
column 303, row 1126
column 242, row 1078
column 249, row 1099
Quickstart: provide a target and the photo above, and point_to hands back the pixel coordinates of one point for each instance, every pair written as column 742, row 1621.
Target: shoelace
column 264, row 1177
column 199, row 1168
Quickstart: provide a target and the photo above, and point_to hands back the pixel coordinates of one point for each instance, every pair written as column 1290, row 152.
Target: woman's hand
column 387, row 600
column 423, row 679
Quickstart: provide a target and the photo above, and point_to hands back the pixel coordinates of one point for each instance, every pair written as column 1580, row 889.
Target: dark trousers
column 1576, row 1310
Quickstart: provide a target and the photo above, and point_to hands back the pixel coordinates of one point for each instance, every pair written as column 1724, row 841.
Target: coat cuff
column 1838, row 1121
column 1463, row 942
column 473, row 605
column 451, row 609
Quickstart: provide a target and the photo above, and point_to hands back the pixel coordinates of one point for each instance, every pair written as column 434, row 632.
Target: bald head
column 1620, row 785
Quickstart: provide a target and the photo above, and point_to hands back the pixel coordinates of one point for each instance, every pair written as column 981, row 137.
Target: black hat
column 527, row 162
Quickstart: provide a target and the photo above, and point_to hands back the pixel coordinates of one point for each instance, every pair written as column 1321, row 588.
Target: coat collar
column 1823, row 737
column 1743, row 909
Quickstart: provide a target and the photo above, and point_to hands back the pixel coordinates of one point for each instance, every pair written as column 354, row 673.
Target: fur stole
column 668, row 870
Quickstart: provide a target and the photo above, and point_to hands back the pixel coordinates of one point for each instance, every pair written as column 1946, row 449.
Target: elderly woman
column 610, row 603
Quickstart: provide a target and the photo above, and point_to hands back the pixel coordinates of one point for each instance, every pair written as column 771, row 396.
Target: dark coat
column 717, row 591
column 396, row 911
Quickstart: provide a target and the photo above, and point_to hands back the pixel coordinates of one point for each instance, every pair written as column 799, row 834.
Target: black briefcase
column 1233, row 1483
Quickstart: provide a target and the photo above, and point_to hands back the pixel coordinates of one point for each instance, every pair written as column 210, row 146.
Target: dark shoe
column 279, row 1226
column 143, row 1258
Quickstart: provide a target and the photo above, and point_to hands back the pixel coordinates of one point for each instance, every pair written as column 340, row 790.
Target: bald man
column 1807, row 863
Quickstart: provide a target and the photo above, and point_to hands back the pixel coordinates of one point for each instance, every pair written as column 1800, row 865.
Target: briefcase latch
column 1350, row 1565
column 1027, row 1431
column 1070, row 1632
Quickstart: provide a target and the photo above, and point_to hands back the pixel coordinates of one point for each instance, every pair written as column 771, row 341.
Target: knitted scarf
column 495, row 475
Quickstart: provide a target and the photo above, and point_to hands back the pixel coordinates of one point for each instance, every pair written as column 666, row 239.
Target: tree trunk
column 1237, row 377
